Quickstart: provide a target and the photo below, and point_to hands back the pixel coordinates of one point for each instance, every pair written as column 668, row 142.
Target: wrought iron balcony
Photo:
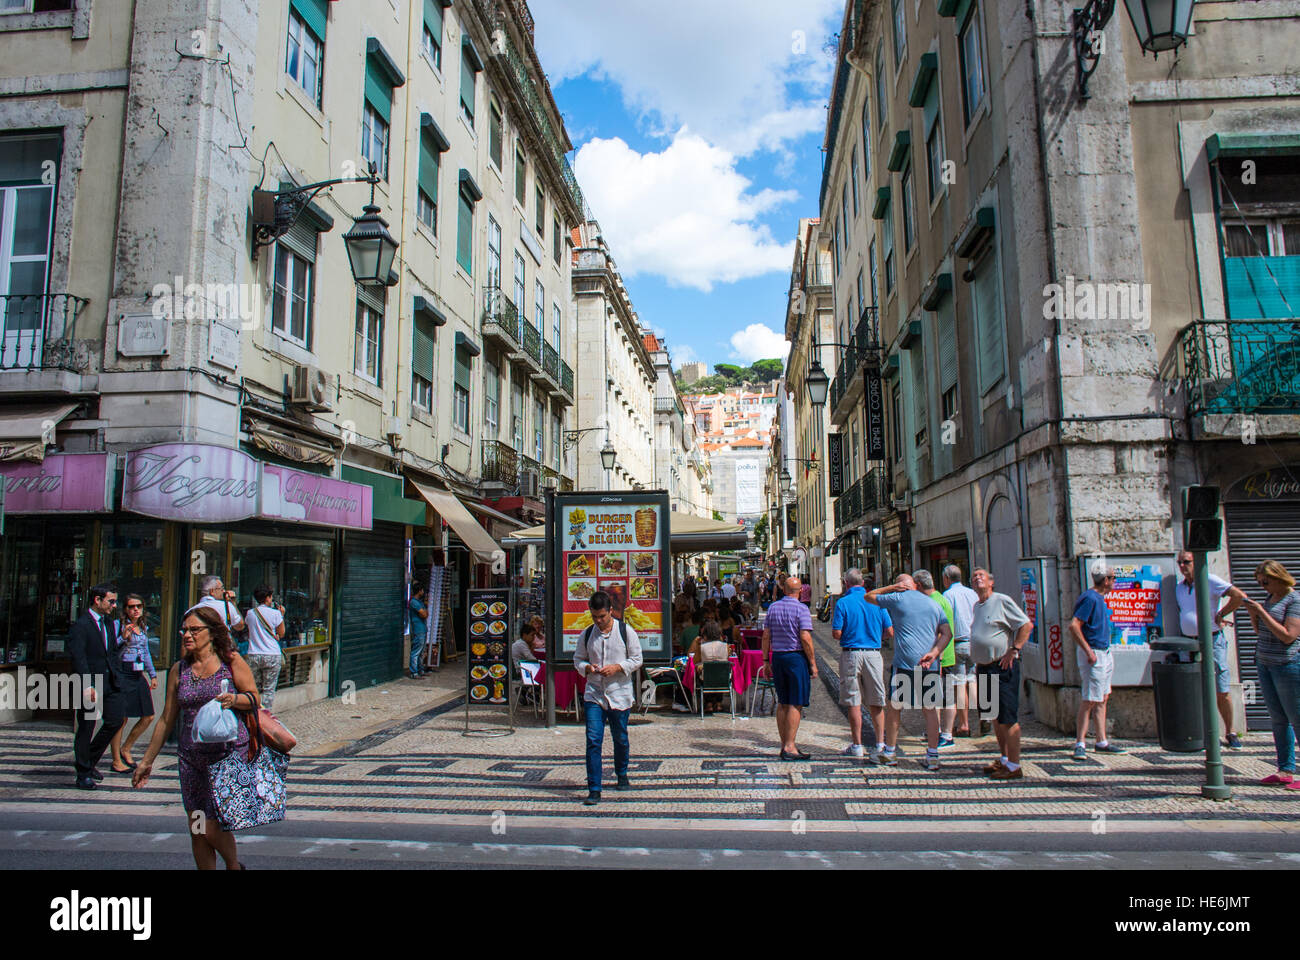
column 532, row 341
column 849, row 505
column 500, row 319
column 1241, row 366
column 500, row 463
column 551, row 363
column 875, row 496
column 40, row 332
column 566, row 379
column 863, row 344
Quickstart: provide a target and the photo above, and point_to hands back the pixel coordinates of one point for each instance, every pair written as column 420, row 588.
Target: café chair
column 664, row 677
column 762, row 686
column 524, row 683
column 715, row 677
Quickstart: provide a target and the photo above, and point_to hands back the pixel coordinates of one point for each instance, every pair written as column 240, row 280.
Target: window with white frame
column 431, row 35
column 881, row 90
column 422, row 362
column 460, row 389
column 369, row 337
column 491, row 396
column 521, row 286
column 494, row 253
column 539, row 307
column 557, row 428
column 557, row 239
column 853, row 178
column 539, row 431
column 374, row 139
column 521, row 175
column 557, row 328
column 292, row 290
column 909, row 210
column 516, row 413
column 900, row 31
column 26, row 215
column 495, row 134
column 304, row 53
column 970, row 45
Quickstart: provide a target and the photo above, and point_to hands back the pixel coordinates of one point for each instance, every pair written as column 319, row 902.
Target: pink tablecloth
column 751, row 637
column 743, row 670
column 566, row 681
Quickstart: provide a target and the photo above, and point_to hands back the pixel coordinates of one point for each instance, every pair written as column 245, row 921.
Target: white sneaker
column 681, row 708
column 931, row 763
column 853, row 750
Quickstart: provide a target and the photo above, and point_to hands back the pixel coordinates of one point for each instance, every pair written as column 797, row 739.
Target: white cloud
column 758, row 341
column 684, row 214
column 726, row 70
column 683, row 353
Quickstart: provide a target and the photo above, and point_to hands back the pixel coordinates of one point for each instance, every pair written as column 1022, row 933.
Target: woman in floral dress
column 208, row 657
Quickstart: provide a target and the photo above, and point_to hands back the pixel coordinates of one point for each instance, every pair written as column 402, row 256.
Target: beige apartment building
column 616, row 397
column 1070, row 305
column 193, row 379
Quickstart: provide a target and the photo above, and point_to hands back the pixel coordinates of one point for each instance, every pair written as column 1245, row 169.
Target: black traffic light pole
column 1202, row 533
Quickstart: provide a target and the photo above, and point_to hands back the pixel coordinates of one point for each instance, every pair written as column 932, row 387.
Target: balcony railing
column 1241, row 366
column 566, row 378
column 864, row 342
column 551, row 363
column 39, row 332
column 532, row 341
column 501, row 318
column 500, row 463
column 849, row 505
column 874, row 494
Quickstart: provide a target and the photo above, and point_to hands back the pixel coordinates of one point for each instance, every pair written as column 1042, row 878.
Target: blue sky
column 698, row 127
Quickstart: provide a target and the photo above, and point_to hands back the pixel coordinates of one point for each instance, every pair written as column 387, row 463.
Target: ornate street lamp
column 1160, row 25
column 785, row 481
column 818, row 383
column 371, row 248
column 608, row 455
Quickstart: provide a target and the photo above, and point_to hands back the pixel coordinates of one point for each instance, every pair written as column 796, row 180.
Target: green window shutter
column 302, row 238
column 989, row 315
column 422, row 349
column 947, row 346
column 433, row 18
column 313, row 14
column 920, row 410
column 931, row 107
column 379, row 92
column 462, row 369
column 465, row 233
column 466, row 80
column 428, row 178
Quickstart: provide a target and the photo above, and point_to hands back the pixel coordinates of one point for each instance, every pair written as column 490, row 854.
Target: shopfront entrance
column 936, row 556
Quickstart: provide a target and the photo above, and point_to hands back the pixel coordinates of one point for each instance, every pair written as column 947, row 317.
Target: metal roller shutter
column 1258, row 532
column 371, row 598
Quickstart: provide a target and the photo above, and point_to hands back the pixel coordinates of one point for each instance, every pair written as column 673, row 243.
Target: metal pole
column 551, row 556
column 1214, row 788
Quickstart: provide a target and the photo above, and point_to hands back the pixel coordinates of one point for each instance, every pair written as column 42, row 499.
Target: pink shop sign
column 310, row 498
column 191, row 481
column 63, row 483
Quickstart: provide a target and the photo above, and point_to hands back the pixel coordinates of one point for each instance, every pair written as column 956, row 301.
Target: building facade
column 617, row 397
column 211, row 389
column 1060, row 333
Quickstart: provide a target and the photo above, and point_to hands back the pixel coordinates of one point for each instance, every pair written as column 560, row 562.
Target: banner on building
column 835, row 462
column 874, row 398
column 749, row 486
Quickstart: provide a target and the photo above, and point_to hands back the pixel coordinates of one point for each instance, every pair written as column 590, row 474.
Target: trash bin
column 1178, row 685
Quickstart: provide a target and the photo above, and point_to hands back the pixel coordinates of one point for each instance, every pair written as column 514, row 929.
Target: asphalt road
column 60, row 841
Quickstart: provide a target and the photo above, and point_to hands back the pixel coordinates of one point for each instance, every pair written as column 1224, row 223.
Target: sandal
column 1276, row 778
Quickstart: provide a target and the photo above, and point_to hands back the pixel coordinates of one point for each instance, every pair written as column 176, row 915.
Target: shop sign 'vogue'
column 191, row 481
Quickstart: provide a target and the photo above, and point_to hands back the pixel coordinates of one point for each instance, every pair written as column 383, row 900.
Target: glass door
column 20, row 588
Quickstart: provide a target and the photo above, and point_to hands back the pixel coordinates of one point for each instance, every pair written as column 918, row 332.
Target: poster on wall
column 1135, row 601
column 487, row 665
column 616, row 543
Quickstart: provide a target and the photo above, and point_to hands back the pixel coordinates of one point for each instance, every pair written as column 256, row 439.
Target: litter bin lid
column 1176, row 644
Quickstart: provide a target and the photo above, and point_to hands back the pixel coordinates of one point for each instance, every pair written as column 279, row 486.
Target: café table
column 738, row 682
column 751, row 637
column 566, row 682
column 750, row 662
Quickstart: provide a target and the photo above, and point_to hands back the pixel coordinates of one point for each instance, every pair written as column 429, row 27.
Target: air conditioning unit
column 529, row 481
column 313, row 388
column 393, row 428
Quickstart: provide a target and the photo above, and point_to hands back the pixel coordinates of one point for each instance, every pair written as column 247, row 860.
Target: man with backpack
column 608, row 654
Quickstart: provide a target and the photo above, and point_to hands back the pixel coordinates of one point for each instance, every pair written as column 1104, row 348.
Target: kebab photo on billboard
column 581, row 566
column 577, row 527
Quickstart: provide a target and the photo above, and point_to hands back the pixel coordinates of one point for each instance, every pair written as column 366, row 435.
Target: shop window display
column 297, row 571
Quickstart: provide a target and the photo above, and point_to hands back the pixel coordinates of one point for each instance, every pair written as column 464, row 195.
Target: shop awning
column 451, row 509
column 495, row 514
column 25, row 429
column 289, row 446
column 688, row 534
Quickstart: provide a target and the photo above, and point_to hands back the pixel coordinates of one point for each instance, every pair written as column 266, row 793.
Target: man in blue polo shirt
column 1091, row 629
column 859, row 627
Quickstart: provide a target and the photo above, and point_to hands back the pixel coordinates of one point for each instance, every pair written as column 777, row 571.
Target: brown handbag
column 264, row 727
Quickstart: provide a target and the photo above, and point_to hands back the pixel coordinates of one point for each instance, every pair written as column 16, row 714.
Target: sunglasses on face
column 191, row 630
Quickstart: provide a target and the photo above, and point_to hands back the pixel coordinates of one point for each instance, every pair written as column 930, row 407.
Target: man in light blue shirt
column 859, row 627
column 921, row 632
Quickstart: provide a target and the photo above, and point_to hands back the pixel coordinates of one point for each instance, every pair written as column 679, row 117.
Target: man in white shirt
column 215, row 595
column 1185, row 592
column 608, row 653
column 728, row 590
column 961, row 676
column 265, row 631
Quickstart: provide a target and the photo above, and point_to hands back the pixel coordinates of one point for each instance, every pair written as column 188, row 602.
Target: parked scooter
column 825, row 606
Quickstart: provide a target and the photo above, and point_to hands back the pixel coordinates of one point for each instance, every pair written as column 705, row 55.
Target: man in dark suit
column 93, row 643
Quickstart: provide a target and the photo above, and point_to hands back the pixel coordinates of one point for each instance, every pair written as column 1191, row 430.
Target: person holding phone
column 141, row 681
column 1277, row 625
column 265, row 635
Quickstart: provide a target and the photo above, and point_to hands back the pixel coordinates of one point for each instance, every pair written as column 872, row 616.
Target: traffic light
column 1202, row 528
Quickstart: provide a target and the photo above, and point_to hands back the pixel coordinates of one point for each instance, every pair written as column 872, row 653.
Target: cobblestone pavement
column 400, row 753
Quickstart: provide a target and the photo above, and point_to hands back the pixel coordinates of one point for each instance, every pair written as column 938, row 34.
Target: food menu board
column 488, row 643
column 618, row 544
